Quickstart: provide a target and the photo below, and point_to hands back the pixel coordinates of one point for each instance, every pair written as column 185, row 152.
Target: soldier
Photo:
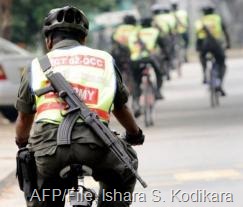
column 120, row 48
column 210, row 33
column 164, row 22
column 98, row 83
column 182, row 24
column 144, row 49
column 123, row 31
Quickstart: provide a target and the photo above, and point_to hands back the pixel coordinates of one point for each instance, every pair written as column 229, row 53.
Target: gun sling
column 65, row 128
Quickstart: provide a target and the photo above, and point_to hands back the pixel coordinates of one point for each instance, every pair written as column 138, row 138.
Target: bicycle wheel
column 214, row 97
column 177, row 60
column 214, row 84
column 149, row 99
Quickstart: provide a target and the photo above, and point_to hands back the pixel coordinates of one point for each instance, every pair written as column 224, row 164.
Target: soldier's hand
column 135, row 139
column 20, row 143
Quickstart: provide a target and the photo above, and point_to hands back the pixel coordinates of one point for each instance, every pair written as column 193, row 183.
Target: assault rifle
column 78, row 109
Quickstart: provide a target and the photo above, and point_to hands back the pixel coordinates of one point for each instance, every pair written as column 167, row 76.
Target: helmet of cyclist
column 129, row 19
column 67, row 19
column 160, row 9
column 146, row 22
column 208, row 9
column 174, row 4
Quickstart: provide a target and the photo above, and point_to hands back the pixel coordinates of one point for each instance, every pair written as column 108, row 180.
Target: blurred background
column 191, row 145
column 21, row 20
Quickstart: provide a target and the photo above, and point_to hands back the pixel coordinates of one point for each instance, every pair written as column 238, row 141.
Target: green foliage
column 28, row 15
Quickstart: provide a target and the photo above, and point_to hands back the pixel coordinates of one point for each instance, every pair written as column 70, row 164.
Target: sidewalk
column 8, row 151
column 10, row 195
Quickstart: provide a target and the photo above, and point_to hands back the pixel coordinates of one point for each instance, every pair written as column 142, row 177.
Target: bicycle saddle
column 75, row 170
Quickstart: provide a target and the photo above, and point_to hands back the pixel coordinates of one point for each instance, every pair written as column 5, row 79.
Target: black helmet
column 174, row 4
column 208, row 9
column 129, row 19
column 146, row 22
column 67, row 19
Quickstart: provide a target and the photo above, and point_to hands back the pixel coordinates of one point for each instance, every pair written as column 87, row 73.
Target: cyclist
column 182, row 24
column 120, row 50
column 93, row 74
column 165, row 22
column 210, row 33
column 163, row 17
column 123, row 31
column 144, row 49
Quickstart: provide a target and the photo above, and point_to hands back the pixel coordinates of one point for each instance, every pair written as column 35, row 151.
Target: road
column 194, row 147
column 193, row 155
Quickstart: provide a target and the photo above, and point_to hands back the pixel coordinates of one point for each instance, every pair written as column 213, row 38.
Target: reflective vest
column 181, row 19
column 123, row 32
column 91, row 74
column 169, row 18
column 148, row 37
column 162, row 23
column 214, row 25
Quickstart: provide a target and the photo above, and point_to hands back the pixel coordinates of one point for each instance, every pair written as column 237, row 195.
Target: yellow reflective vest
column 213, row 23
column 181, row 19
column 163, row 25
column 148, row 37
column 166, row 22
column 123, row 32
column 91, row 74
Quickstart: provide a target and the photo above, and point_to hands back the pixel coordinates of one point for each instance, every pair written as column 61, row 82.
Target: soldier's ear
column 49, row 43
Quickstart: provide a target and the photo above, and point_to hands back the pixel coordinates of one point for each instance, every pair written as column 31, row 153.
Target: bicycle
column 147, row 98
column 79, row 195
column 213, row 81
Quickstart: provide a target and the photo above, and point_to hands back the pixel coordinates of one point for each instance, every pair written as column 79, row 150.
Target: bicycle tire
column 149, row 99
column 214, row 98
column 179, row 56
column 214, row 94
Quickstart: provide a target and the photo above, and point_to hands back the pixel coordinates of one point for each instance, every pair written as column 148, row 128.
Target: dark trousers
column 185, row 37
column 214, row 47
column 107, row 170
column 137, row 69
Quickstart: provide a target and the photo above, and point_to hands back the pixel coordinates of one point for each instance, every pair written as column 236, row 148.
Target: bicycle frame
column 147, row 98
column 214, row 82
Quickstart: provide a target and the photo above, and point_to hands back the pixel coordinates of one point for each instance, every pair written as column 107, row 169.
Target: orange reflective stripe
column 101, row 113
column 61, row 106
column 50, row 106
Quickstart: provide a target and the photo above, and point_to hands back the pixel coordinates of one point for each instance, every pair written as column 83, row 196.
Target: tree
column 28, row 16
column 5, row 18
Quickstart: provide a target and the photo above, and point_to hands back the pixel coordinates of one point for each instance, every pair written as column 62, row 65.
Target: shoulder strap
column 208, row 32
column 179, row 21
column 142, row 44
column 44, row 63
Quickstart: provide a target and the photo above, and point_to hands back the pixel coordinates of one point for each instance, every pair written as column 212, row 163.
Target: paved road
column 192, row 147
